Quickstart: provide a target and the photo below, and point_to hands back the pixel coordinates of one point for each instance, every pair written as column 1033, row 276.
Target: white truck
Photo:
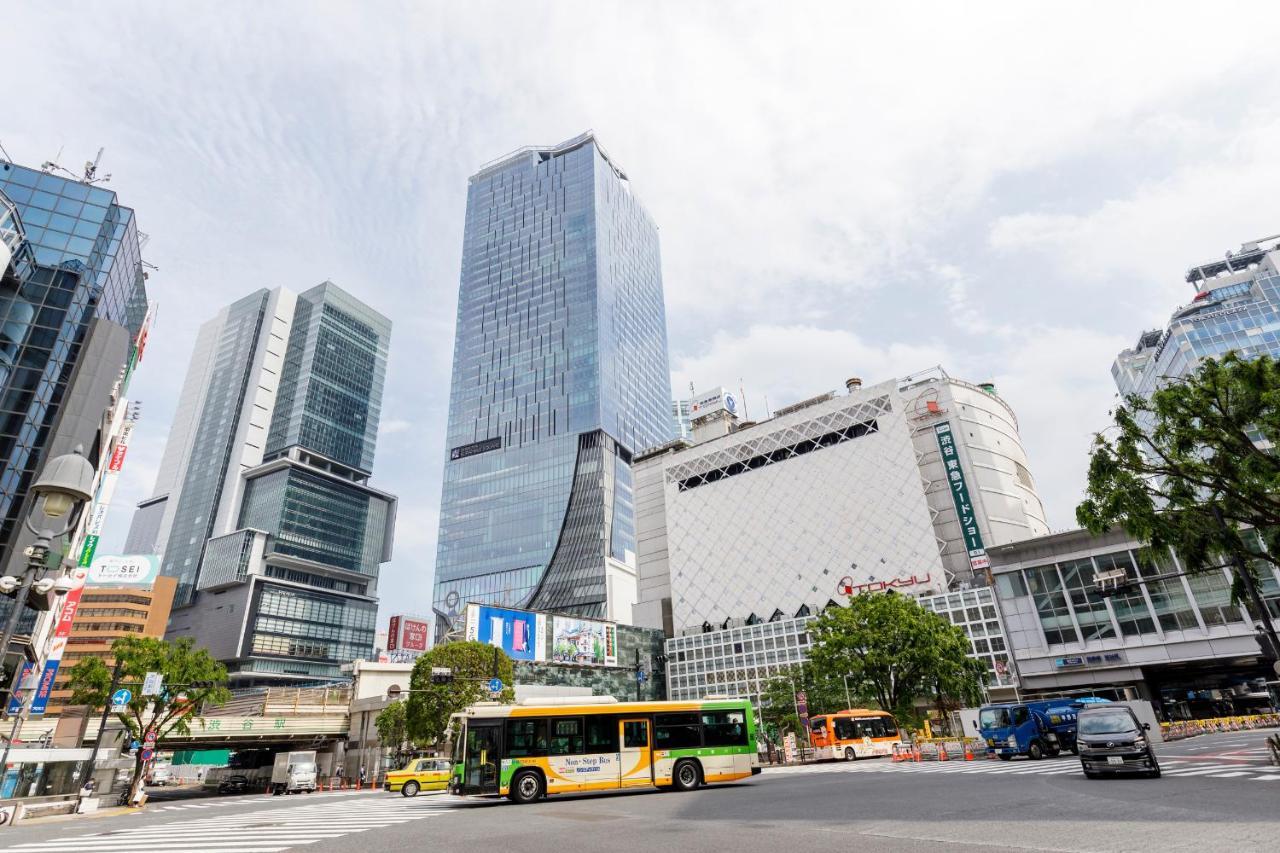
column 294, row 772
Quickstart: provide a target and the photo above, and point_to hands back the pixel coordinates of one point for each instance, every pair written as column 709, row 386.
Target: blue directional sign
column 495, row 685
column 121, row 697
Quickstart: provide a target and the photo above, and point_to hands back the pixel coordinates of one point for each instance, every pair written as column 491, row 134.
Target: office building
column 1236, row 307
column 73, row 317
column 901, row 485
column 1178, row 641
column 104, row 615
column 262, row 509
column 559, row 376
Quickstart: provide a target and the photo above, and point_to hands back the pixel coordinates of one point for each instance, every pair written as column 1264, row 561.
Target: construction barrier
column 1191, row 728
column 939, row 749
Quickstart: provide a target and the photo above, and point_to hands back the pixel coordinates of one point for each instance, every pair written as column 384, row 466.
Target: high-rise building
column 73, row 315
column 1236, row 307
column 559, row 375
column 262, row 509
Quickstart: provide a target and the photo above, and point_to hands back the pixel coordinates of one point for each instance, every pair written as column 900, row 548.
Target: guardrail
column 1191, row 728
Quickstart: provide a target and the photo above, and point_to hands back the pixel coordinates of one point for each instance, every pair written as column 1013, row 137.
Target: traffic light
column 441, row 675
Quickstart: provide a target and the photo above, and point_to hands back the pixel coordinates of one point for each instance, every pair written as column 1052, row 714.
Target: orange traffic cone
column 968, row 752
column 942, row 752
column 917, row 753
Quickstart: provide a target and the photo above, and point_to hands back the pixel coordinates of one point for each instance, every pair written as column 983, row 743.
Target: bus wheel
column 849, row 754
column 686, row 776
column 526, row 787
column 409, row 789
column 1035, row 751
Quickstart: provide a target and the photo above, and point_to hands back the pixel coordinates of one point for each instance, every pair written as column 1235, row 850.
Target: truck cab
column 1033, row 729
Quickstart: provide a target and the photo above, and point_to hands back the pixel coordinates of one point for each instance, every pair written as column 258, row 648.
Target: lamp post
column 61, row 491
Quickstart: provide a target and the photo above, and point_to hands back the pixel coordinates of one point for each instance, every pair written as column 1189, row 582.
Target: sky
column 1010, row 190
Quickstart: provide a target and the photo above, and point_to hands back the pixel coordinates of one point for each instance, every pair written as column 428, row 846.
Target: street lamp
column 63, row 488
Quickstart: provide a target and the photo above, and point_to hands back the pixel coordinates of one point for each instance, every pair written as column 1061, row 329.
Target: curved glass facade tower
column 559, row 374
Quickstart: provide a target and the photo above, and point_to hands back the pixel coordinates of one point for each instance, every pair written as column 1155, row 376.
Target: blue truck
column 1033, row 729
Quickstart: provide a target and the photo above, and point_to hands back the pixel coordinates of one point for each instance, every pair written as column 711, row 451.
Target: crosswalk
column 1061, row 767
column 268, row 830
column 223, row 802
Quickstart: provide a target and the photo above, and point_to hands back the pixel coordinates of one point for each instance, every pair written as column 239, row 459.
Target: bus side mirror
column 975, row 723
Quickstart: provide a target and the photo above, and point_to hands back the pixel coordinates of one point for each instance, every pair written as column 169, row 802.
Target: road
column 1218, row 793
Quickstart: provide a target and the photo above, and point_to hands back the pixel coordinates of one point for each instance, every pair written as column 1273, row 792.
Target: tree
column 1193, row 469
column 430, row 705
column 778, row 699
column 393, row 731
column 192, row 678
column 896, row 652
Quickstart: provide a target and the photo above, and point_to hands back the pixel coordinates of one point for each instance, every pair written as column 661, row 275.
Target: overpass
column 265, row 718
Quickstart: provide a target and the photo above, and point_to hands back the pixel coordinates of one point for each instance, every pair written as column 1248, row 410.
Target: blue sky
column 1010, row 190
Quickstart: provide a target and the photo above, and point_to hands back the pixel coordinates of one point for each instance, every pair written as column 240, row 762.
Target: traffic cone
column 917, row 754
column 942, row 752
column 968, row 752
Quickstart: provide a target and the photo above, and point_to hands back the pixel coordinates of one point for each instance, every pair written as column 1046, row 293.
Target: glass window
column 724, row 728
column 1168, row 596
column 1090, row 608
column 635, row 734
column 1130, row 607
column 677, row 731
column 566, row 736
column 1212, row 593
column 1010, row 585
column 1051, row 605
column 526, row 738
column 602, row 734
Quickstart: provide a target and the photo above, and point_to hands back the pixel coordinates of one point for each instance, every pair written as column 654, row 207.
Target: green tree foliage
column 192, row 679
column 393, row 732
column 895, row 652
column 1171, row 463
column 429, row 706
column 777, row 699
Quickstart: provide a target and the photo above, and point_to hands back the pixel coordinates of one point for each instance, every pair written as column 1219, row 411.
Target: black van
column 1112, row 740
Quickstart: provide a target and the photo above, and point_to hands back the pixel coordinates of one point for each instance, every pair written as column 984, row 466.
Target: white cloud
column 393, row 426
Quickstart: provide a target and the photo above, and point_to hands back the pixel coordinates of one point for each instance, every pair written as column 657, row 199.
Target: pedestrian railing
column 1191, row 728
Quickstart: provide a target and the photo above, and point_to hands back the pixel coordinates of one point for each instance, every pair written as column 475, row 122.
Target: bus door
column 637, row 753
column 480, row 767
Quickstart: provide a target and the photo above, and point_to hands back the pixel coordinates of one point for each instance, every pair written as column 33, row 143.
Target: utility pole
column 102, row 722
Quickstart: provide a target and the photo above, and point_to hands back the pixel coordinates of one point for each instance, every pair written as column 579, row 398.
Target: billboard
column 408, row 634
column 584, row 641
column 124, row 570
column 712, row 401
column 519, row 633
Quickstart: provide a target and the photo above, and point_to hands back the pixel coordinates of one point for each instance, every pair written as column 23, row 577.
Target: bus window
column 602, row 734
column 846, row 729
column 818, row 724
column 635, row 734
column 526, row 738
column 724, row 728
column 677, row 731
column 566, row 736
column 482, row 757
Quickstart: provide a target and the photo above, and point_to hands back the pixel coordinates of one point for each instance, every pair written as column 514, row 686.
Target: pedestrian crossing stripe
column 267, row 830
column 1168, row 767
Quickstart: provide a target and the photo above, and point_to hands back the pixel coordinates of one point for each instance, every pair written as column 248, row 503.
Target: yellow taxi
column 420, row 774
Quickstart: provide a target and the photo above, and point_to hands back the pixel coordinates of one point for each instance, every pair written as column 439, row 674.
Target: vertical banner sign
column 15, row 698
column 393, row 634
column 61, row 631
column 960, row 496
column 107, row 485
column 802, row 711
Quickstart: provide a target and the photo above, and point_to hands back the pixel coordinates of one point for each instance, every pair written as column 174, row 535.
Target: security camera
column 63, row 585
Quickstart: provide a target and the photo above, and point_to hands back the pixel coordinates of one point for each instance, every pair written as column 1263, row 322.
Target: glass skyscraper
column 1236, row 307
column 262, row 508
column 560, row 374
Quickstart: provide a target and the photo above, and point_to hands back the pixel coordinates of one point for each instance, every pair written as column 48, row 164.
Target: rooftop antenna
column 766, row 407
column 746, row 416
column 90, row 175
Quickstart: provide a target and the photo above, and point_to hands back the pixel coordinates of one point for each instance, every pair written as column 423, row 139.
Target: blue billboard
column 519, row 633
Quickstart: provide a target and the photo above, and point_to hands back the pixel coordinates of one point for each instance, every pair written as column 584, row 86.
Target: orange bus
column 854, row 733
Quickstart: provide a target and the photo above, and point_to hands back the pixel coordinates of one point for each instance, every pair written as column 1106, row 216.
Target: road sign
column 120, row 698
column 149, row 739
column 148, row 754
column 495, row 685
column 152, row 684
column 641, row 675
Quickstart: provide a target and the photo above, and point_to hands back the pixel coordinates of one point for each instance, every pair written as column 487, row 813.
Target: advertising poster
column 408, row 636
column 125, row 570
column 519, row 633
column 584, row 641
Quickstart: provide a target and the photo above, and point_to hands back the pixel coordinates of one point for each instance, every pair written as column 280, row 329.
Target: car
column 420, row 774
column 1112, row 740
column 236, row 784
column 160, row 776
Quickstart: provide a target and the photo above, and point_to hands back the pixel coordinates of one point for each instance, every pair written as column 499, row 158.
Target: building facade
column 1175, row 640
column 262, row 510
column 901, row 485
column 73, row 316
column 104, row 615
column 560, row 375
column 739, row 661
column 1236, row 307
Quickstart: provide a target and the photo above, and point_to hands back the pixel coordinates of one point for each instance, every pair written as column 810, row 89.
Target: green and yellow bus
column 595, row 743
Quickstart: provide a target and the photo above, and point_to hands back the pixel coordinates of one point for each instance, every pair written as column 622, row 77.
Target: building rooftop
column 547, row 152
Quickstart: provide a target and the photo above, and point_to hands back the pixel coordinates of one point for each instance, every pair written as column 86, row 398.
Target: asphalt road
column 1218, row 793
